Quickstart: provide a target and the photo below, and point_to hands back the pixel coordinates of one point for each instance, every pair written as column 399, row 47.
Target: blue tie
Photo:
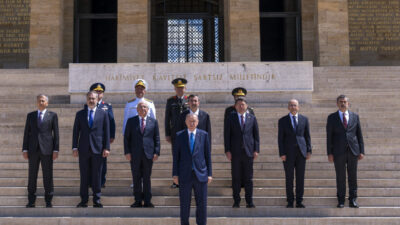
column 91, row 118
column 294, row 123
column 191, row 139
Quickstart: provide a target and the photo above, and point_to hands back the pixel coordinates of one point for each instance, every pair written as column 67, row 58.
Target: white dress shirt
column 94, row 112
column 346, row 114
column 295, row 117
column 240, row 118
column 195, row 113
column 140, row 121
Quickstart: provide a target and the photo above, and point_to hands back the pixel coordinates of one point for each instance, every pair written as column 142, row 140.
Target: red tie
column 344, row 121
column 143, row 126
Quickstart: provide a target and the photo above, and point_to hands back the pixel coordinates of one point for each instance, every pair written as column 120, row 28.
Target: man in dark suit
column 192, row 169
column 101, row 104
column 91, row 142
column 173, row 110
column 242, row 145
column 204, row 118
column 345, row 146
column 41, row 146
column 142, row 148
column 294, row 143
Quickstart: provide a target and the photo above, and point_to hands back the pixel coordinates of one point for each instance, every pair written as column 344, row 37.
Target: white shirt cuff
column 24, row 150
column 74, row 149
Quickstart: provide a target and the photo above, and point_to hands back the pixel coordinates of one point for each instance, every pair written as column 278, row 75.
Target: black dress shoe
column 353, row 204
column 82, row 205
column 300, row 205
column 148, row 205
column 236, row 205
column 136, row 205
column 174, row 185
column 340, row 205
column 289, row 205
column 97, row 205
column 30, row 205
column 250, row 205
column 49, row 205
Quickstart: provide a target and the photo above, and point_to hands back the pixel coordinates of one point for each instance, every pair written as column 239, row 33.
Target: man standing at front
column 192, row 169
column 294, row 143
column 345, row 146
column 91, row 142
column 142, row 148
column 41, row 146
column 242, row 145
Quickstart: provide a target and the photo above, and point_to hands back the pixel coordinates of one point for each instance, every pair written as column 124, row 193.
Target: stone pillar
column 332, row 30
column 46, row 34
column 133, row 31
column 242, row 30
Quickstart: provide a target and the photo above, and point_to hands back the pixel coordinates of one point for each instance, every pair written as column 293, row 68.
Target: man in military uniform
column 101, row 104
column 238, row 92
column 140, row 87
column 175, row 106
column 130, row 111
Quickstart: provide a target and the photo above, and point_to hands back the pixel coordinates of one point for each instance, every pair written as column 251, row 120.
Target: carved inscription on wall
column 14, row 33
column 374, row 32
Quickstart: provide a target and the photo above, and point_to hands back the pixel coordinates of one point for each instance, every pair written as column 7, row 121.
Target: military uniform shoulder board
column 172, row 97
column 148, row 100
column 132, row 100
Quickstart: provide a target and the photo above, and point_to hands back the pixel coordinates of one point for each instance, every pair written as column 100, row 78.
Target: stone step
column 217, row 165
column 161, row 173
column 71, row 201
column 212, row 191
column 98, row 218
column 217, row 182
column 216, row 158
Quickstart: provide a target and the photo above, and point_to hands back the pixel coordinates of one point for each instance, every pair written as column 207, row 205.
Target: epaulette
column 172, row 97
column 148, row 100
column 132, row 100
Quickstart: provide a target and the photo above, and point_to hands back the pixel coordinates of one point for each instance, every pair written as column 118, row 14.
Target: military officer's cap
column 239, row 91
column 179, row 82
column 140, row 82
column 98, row 87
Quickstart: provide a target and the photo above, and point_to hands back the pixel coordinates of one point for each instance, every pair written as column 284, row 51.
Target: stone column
column 133, row 31
column 332, row 30
column 242, row 30
column 46, row 34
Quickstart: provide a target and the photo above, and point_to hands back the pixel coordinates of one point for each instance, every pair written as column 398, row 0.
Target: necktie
column 91, row 118
column 294, row 123
column 40, row 118
column 143, row 126
column 191, row 140
column 242, row 121
column 344, row 121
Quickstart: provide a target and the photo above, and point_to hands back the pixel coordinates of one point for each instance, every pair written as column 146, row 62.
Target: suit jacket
column 97, row 138
column 137, row 143
column 108, row 108
column 204, row 122
column 184, row 160
column 289, row 140
column 338, row 138
column 235, row 139
column 46, row 136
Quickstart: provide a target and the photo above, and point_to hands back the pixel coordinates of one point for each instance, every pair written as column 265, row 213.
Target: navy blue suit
column 107, row 108
column 142, row 147
column 345, row 144
column 90, row 143
column 242, row 144
column 294, row 144
column 41, row 140
column 193, row 171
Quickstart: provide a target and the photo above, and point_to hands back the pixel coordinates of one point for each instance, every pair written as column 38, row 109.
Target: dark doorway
column 187, row 31
column 280, row 30
column 95, row 31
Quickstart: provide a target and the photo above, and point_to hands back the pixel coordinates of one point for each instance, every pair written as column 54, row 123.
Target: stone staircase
column 374, row 94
